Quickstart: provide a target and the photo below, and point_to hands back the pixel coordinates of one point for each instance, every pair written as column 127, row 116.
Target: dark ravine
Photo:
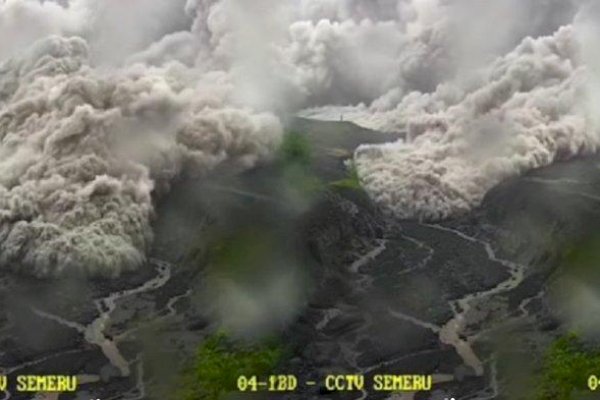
column 382, row 296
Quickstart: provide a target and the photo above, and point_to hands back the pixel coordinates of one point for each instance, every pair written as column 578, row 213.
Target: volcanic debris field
column 376, row 294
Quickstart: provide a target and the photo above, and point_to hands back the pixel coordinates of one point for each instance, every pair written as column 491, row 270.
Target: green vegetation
column 295, row 158
column 301, row 181
column 295, row 149
column 581, row 260
column 352, row 181
column 220, row 361
column 240, row 254
column 568, row 362
column 565, row 370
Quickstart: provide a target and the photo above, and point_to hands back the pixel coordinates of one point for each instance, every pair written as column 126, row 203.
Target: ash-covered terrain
column 349, row 289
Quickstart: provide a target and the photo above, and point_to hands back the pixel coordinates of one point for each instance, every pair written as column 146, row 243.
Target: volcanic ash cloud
column 82, row 152
column 526, row 111
column 96, row 121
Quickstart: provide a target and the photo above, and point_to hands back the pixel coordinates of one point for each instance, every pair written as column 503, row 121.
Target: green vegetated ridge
column 569, row 361
column 352, row 181
column 295, row 149
column 220, row 361
column 242, row 253
column 565, row 370
column 296, row 158
column 213, row 371
column 581, row 259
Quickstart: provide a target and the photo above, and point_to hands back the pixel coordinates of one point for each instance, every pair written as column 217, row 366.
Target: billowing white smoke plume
column 85, row 144
column 491, row 114
column 526, row 112
column 104, row 102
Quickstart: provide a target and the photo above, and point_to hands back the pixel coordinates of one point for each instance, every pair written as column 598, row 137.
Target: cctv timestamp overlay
column 338, row 383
